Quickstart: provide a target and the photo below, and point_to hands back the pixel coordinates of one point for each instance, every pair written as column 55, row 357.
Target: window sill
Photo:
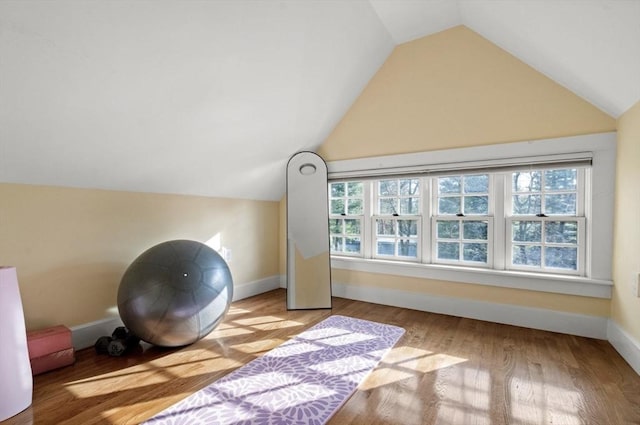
column 559, row 284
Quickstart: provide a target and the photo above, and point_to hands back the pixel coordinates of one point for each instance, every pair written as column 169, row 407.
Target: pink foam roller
column 52, row 361
column 49, row 340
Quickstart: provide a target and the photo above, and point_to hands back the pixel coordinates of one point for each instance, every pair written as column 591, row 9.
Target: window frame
column 346, row 216
column 582, row 180
column 398, row 216
column 598, row 149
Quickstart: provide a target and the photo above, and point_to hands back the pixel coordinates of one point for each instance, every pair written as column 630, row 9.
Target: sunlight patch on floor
column 534, row 402
column 405, row 362
column 148, row 374
column 259, row 346
column 258, row 320
column 228, row 332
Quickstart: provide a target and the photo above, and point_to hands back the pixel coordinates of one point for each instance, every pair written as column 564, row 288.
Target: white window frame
column 598, row 204
column 462, row 241
column 396, row 238
column 375, row 216
column 580, row 246
column 346, row 216
column 582, row 177
column 436, row 216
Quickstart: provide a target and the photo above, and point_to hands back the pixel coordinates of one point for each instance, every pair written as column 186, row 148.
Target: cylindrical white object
column 16, row 380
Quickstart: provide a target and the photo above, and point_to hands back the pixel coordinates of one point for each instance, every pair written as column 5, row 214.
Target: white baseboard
column 257, row 287
column 624, row 344
column 535, row 318
column 85, row 335
column 283, row 281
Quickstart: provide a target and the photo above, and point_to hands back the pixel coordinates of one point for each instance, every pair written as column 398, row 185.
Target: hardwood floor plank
column 445, row 370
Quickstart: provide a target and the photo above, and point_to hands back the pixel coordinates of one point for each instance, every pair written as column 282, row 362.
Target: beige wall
column 456, row 89
column 625, row 309
column 71, row 246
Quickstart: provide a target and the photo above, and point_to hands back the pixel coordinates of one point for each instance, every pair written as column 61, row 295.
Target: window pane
column 386, row 247
column 354, row 189
column 337, row 190
column 352, row 227
column 409, row 186
column 561, row 179
column 337, row 206
column 337, row 243
column 448, row 229
column 476, row 184
column 561, row 257
column 387, row 227
column 410, row 206
column 335, row 225
column 526, row 181
column 526, row 204
column 408, row 248
column 449, row 205
column 526, row 231
column 564, row 204
column 388, row 188
column 526, row 255
column 475, row 230
column 352, row 245
column 448, row 251
column 407, row 227
column 387, row 206
column 449, row 184
column 476, row 204
column 355, row 207
column 474, row 252
column 561, row 232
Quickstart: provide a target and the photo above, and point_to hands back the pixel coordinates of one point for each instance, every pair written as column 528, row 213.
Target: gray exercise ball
column 175, row 293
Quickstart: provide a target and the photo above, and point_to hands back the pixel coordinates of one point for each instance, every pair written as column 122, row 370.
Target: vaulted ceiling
column 212, row 97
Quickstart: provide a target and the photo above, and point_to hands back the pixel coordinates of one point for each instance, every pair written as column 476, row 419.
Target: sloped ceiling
column 212, row 97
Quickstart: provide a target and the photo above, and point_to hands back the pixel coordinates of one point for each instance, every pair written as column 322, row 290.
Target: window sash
column 345, row 238
column 396, row 240
column 397, row 198
column 461, row 240
column 542, row 244
column 579, row 192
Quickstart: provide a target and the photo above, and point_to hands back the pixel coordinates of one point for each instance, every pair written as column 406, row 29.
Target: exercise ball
column 175, row 293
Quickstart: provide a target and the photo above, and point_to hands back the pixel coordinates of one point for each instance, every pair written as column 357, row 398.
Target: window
column 548, row 215
column 346, row 203
column 546, row 227
column 462, row 226
column 397, row 219
column 528, row 220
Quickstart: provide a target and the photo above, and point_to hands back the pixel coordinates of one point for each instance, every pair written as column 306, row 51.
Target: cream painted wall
column 625, row 306
column 571, row 304
column 455, row 89
column 71, row 246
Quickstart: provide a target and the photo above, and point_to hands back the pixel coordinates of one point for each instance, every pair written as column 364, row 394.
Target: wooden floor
column 445, row 370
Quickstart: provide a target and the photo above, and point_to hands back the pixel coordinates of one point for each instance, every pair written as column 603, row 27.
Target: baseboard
column 257, row 287
column 535, row 318
column 283, row 281
column 624, row 344
column 85, row 335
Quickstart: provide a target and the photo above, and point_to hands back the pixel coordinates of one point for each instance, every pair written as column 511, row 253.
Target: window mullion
column 499, row 223
column 367, row 232
column 427, row 214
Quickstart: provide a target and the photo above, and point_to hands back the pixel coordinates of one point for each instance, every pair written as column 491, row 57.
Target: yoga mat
column 303, row 381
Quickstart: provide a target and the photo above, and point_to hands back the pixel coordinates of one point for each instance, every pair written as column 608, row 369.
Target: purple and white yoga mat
column 303, row 381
